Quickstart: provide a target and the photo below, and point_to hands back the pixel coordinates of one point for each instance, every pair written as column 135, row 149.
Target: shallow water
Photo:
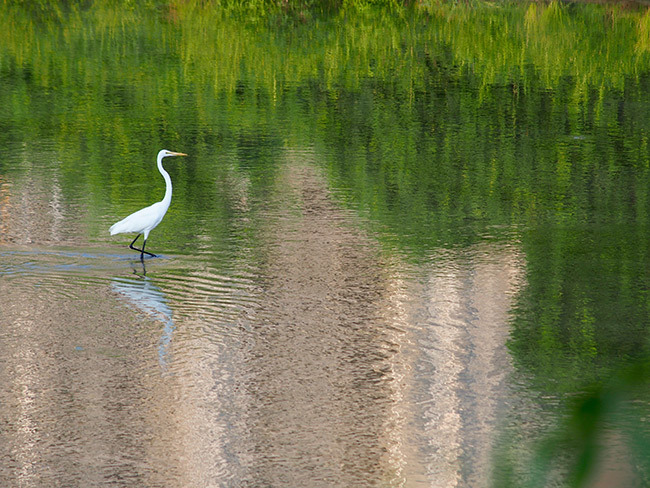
column 393, row 264
column 330, row 362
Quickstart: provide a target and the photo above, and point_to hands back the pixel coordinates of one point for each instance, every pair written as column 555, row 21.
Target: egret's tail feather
column 117, row 228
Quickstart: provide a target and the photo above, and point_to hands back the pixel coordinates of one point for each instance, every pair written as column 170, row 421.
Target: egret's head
column 164, row 153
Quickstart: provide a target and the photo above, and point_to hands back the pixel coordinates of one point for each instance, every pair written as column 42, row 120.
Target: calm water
column 398, row 250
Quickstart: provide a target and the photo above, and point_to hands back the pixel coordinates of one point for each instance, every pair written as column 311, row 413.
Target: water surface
column 393, row 256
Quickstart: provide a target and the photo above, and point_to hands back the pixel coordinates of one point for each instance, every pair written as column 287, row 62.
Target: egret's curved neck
column 168, row 182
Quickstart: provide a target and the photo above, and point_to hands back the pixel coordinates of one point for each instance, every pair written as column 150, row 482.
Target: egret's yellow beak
column 178, row 154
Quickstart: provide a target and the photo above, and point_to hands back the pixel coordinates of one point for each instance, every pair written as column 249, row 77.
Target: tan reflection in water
column 469, row 297
column 32, row 207
column 77, row 409
column 5, row 208
column 360, row 374
column 322, row 376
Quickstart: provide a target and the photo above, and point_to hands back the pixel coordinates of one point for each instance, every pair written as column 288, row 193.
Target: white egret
column 144, row 220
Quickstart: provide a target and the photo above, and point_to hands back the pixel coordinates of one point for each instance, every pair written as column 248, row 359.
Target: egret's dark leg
column 146, row 252
column 141, row 251
column 133, row 242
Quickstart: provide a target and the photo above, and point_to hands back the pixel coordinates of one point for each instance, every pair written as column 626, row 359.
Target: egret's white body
column 145, row 220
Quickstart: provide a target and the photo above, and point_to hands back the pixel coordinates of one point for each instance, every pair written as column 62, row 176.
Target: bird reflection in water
column 146, row 297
